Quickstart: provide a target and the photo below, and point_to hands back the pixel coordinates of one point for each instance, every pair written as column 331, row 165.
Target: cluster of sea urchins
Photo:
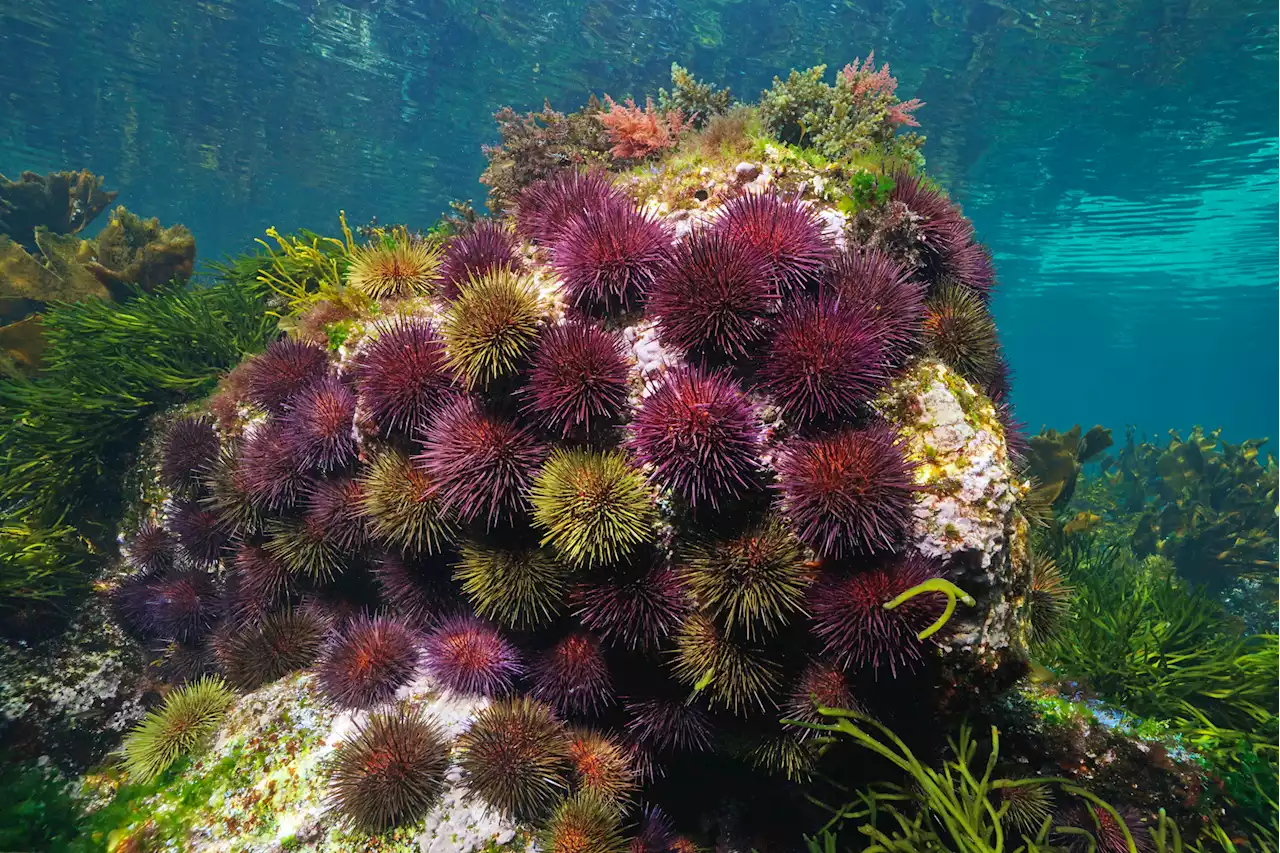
column 643, row 565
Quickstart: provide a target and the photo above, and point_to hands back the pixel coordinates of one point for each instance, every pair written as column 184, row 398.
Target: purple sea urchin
column 367, row 662
column 825, row 361
column 200, row 532
column 515, row 755
column 481, row 464
column 150, row 549
column 190, row 449
column 414, row 588
column 858, row 632
column 286, row 367
column 847, row 492
column 572, row 676
column 636, row 604
column 544, row 209
column 486, row 247
column 870, row 280
column 789, row 234
column 391, row 772
column 319, row 423
column 180, row 605
column 820, row 685
column 470, row 656
column 402, row 375
column 333, row 505
column 700, row 434
column 669, row 724
column 609, row 261
column 714, row 295
column 270, row 469
column 261, row 581
column 578, row 373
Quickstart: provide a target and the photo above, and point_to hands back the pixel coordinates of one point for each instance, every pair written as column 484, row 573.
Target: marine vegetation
column 1206, row 505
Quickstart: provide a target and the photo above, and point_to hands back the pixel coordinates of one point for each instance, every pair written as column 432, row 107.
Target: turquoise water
column 1119, row 158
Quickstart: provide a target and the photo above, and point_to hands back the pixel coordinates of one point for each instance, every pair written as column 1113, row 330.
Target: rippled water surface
column 1119, row 157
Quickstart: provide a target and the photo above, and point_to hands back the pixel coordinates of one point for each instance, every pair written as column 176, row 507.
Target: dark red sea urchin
column 857, row 632
column 788, row 232
column 635, row 604
column 283, row 369
column 609, row 261
column 714, row 295
column 826, row 359
column 669, row 724
column 572, row 676
column 579, row 374
column 319, row 423
column 470, row 656
column 200, row 532
column 261, row 582
column 870, row 279
column 190, row 448
column 402, row 375
column 333, row 505
column 486, row 247
column 270, row 468
column 848, row 492
column 180, row 605
column 368, row 661
column 701, row 435
column 820, row 685
column 481, row 464
column 546, row 207
column 150, row 549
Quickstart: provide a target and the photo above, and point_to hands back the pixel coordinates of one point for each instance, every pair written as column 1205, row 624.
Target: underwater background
column 1119, row 158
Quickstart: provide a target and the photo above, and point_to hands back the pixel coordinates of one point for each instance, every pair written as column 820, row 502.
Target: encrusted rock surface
column 966, row 509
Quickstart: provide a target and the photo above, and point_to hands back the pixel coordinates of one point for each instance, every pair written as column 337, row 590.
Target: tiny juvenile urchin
column 391, row 772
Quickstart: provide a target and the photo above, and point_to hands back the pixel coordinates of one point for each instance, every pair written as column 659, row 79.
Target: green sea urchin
column 189, row 716
column 594, row 506
column 491, row 325
column 520, row 587
column 402, row 506
column 515, row 755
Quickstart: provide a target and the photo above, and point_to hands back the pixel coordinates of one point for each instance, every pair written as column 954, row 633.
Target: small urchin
column 848, row 492
column 368, row 661
column 190, row 715
column 515, row 756
column 190, row 448
column 959, row 329
column 855, row 628
column 481, row 463
column 700, row 435
column 470, row 656
column 392, row 771
column 578, row 378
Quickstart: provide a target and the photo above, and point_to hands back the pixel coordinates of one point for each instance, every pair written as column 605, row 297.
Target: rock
column 746, row 171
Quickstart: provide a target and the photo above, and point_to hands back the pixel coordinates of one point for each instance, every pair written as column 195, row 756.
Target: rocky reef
column 567, row 526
